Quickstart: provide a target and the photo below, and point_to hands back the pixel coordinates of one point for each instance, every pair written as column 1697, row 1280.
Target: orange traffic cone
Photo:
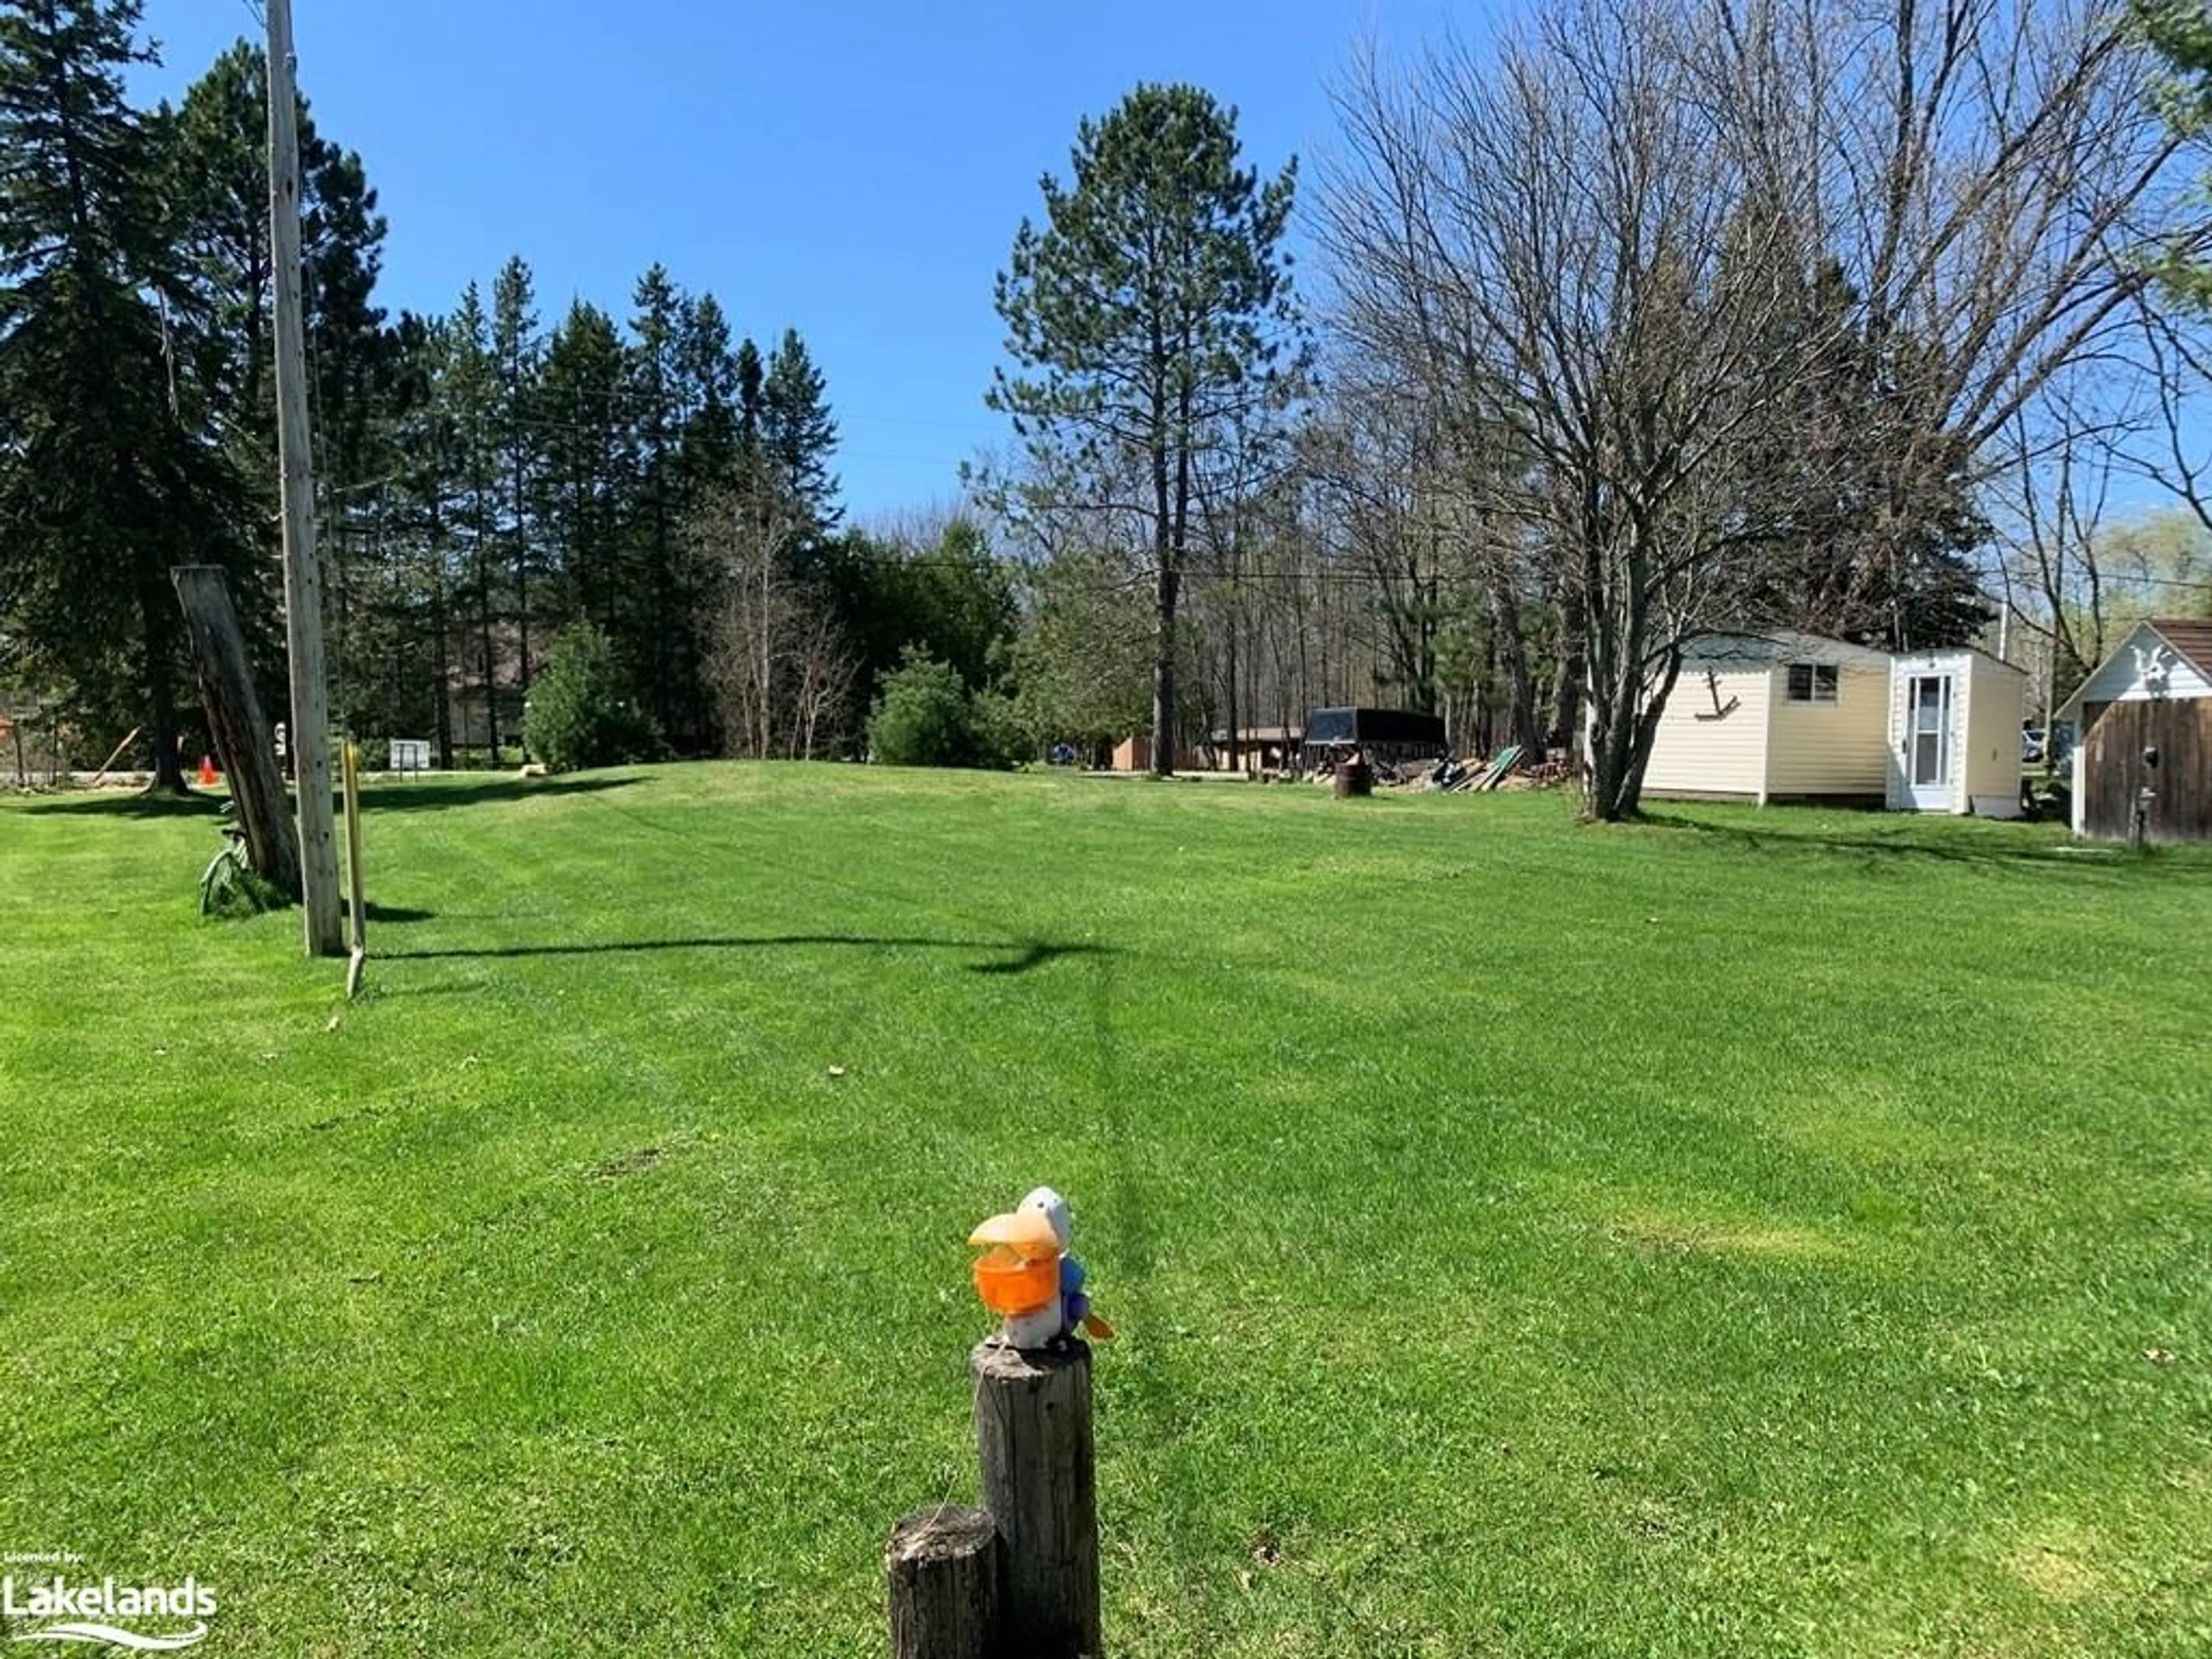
column 207, row 773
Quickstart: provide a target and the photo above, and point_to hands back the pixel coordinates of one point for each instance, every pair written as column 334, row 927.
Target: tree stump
column 1033, row 1439
column 944, row 1569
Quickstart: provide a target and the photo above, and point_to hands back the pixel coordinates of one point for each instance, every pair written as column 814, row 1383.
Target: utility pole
column 303, row 585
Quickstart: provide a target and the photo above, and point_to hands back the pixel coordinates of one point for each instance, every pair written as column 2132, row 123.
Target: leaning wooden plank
column 1507, row 758
column 242, row 734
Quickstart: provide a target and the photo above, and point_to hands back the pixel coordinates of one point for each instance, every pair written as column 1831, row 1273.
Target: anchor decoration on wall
column 1721, row 710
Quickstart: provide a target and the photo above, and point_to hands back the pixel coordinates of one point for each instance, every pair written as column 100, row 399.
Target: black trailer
column 1392, row 736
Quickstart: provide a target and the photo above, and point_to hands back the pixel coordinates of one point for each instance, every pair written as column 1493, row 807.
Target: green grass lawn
column 1752, row 1232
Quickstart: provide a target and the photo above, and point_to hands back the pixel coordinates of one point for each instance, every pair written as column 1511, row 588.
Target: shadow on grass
column 435, row 795
column 427, row 796
column 396, row 914
column 1017, row 955
column 1991, row 850
column 135, row 803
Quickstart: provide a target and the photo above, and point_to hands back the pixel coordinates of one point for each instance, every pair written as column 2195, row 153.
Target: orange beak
column 1027, row 1233
column 1019, row 1271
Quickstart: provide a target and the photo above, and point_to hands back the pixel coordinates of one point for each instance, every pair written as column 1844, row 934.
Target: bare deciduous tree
column 778, row 664
column 2065, row 452
column 1558, row 244
column 1600, row 241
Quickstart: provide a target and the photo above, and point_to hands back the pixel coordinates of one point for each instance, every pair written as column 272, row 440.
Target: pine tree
column 517, row 356
column 799, row 436
column 709, row 444
column 349, row 369
column 590, row 464
column 2180, row 31
column 1149, row 314
column 218, row 172
column 1872, row 512
column 216, row 177
column 468, row 386
column 420, row 517
column 649, row 641
column 103, row 483
column 750, row 396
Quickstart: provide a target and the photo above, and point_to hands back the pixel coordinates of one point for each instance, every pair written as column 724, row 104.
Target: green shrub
column 1001, row 738
column 922, row 716
column 582, row 712
column 926, row 716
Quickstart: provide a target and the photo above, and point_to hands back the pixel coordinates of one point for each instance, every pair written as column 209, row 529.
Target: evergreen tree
column 216, row 177
column 1148, row 315
column 590, row 463
column 518, row 356
column 468, row 386
column 650, row 639
column 1871, row 510
column 104, row 481
column 218, row 172
column 710, row 444
column 584, row 714
column 750, row 396
column 2180, row 31
column 421, row 519
column 949, row 600
column 799, row 436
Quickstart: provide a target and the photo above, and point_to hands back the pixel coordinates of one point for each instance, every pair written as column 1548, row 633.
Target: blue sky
column 852, row 168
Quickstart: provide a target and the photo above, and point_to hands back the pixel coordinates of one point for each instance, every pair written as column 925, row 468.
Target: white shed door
column 1927, row 758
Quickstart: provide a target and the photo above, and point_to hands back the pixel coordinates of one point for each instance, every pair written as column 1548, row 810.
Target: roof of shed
column 1991, row 657
column 1326, row 726
column 2192, row 639
column 2187, row 637
column 1782, row 645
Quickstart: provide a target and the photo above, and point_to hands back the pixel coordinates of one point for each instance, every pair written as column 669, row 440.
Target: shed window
column 1812, row 682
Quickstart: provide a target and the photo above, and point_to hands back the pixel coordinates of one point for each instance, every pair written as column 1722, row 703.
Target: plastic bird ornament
column 1026, row 1276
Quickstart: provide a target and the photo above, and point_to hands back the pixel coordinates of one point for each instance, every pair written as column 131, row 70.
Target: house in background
column 1252, row 750
column 2154, row 693
column 1795, row 717
column 1135, row 755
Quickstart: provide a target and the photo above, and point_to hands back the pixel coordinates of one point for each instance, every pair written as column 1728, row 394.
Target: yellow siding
column 1710, row 756
column 1991, row 738
column 1831, row 749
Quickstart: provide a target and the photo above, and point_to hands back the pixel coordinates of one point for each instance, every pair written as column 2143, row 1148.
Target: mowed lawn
column 1748, row 1233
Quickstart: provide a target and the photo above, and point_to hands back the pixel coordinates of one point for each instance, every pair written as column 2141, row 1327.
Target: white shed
column 1774, row 718
column 1954, row 734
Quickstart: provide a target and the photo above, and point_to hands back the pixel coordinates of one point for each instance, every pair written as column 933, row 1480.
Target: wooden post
column 241, row 731
column 114, row 756
column 358, row 933
column 944, row 1568
column 1033, row 1439
column 303, row 584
